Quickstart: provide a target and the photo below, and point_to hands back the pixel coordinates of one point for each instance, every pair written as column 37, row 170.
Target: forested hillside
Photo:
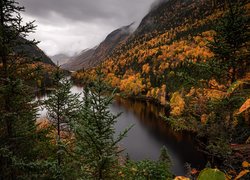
column 187, row 64
column 170, row 35
column 32, row 51
column 193, row 58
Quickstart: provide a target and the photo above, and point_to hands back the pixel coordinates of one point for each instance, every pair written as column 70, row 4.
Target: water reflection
column 150, row 133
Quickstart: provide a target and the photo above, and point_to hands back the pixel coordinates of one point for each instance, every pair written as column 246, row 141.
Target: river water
column 149, row 133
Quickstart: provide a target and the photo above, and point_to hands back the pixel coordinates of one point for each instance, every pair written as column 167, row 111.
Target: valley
column 167, row 97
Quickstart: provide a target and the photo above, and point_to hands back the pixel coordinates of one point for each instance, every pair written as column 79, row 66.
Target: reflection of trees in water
column 150, row 115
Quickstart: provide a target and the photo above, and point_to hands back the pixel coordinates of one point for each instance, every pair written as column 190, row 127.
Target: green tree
column 230, row 45
column 164, row 157
column 19, row 153
column 63, row 108
column 96, row 147
column 143, row 170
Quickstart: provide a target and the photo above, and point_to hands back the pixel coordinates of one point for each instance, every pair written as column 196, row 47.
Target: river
column 150, row 133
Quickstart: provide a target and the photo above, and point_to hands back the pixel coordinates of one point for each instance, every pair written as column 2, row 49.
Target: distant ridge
column 91, row 57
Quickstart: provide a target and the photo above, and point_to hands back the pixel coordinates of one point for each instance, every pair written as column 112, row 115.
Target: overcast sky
column 69, row 26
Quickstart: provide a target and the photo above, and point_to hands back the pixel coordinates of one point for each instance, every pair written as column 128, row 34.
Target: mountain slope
column 92, row 57
column 171, row 34
column 80, row 61
column 33, row 51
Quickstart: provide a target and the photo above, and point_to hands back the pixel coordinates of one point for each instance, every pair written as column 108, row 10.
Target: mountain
column 60, row 59
column 33, row 51
column 169, row 14
column 164, row 16
column 92, row 57
column 173, row 33
column 79, row 61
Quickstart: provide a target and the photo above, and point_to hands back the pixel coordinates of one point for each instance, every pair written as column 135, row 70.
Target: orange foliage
column 146, row 68
column 132, row 84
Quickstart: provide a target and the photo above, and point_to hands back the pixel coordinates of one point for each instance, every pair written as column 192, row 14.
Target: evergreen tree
column 230, row 45
column 96, row 147
column 145, row 170
column 16, row 137
column 19, row 138
column 63, row 107
column 164, row 157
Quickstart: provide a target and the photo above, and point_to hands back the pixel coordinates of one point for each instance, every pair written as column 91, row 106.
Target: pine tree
column 96, row 147
column 230, row 44
column 164, row 157
column 63, row 107
column 19, row 150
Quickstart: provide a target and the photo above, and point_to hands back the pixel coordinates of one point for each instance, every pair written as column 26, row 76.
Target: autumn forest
column 185, row 70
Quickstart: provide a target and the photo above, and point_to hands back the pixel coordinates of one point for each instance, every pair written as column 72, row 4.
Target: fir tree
column 230, row 47
column 63, row 107
column 164, row 157
column 19, row 150
column 96, row 147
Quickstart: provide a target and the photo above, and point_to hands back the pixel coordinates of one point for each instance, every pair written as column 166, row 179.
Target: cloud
column 157, row 3
column 69, row 26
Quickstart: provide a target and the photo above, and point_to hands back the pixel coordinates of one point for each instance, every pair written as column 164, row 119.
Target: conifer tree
column 63, row 107
column 230, row 45
column 19, row 153
column 96, row 147
column 164, row 157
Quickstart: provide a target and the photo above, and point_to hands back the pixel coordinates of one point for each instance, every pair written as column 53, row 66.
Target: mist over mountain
column 60, row 58
column 163, row 16
column 91, row 57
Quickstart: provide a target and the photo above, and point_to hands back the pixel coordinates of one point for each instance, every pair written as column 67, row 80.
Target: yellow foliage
column 112, row 80
column 191, row 92
column 214, row 94
column 177, row 104
column 181, row 178
column 245, row 164
column 242, row 173
column 163, row 95
column 146, row 68
column 245, row 106
column 42, row 123
column 132, row 84
column 204, row 118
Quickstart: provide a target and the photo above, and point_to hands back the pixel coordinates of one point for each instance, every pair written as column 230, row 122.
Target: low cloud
column 69, row 26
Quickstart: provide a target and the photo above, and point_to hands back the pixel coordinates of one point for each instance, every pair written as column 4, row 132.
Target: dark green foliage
column 96, row 147
column 32, row 51
column 230, row 45
column 144, row 170
column 187, row 75
column 21, row 143
column 164, row 157
column 17, row 125
column 63, row 109
column 224, row 128
column 12, row 29
column 147, row 169
column 61, row 104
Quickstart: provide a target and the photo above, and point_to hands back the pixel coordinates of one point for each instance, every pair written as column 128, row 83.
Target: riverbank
column 150, row 133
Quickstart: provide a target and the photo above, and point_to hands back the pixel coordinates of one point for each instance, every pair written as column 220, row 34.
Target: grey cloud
column 157, row 3
column 73, row 25
column 88, row 10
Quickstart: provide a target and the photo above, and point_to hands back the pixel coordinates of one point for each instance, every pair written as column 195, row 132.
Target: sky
column 70, row 26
